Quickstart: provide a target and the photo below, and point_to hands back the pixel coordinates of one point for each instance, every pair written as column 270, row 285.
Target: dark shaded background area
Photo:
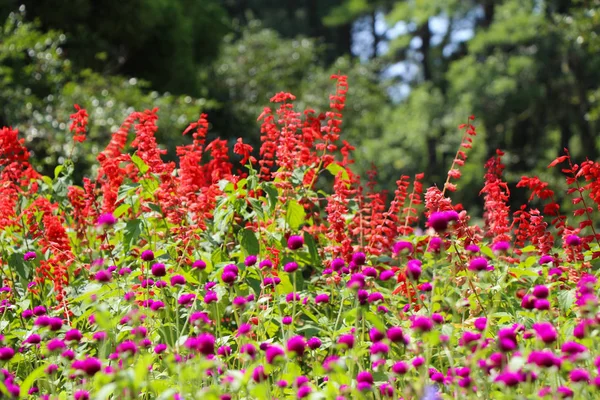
column 528, row 69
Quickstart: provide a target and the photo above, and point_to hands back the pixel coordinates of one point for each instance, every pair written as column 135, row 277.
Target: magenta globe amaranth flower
column 314, row 343
column 206, row 344
column 30, row 255
column 290, row 267
column 322, row 298
column 359, row 258
column 501, row 247
column 413, row 269
column 478, row 264
column 402, row 247
column 421, row 323
column 159, row 269
column 295, row 242
column 177, row 280
column 545, row 331
column 199, row 265
column 541, row 291
column 106, row 220
column 346, row 340
column 573, row 240
column 147, row 255
column 258, row 374
column 250, row 260
column 6, row 353
column 386, row 275
column 297, row 345
column 395, row 334
column 188, row 298
column 273, row 353
column 103, row 276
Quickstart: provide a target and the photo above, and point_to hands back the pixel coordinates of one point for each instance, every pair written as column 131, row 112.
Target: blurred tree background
column 528, row 69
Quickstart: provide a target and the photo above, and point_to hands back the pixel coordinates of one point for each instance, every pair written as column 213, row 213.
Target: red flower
column 79, row 123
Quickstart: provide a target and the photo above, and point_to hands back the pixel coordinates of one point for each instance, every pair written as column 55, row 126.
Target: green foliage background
column 529, row 70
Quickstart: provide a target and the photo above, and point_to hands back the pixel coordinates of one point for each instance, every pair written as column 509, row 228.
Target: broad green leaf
column 272, row 195
column 133, row 230
column 122, row 209
column 16, row 263
column 31, row 378
column 140, row 164
column 249, row 242
column 312, row 248
column 295, row 215
column 335, row 169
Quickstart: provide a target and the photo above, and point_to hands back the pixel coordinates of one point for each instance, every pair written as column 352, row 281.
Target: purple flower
column 30, row 255
column 90, row 366
column 370, row 272
column 243, row 330
column 400, row 368
column 379, row 348
column 364, row 376
column 413, row 269
column 376, row 335
column 188, row 298
column 386, row 390
column 206, row 344
column 359, row 258
column 273, row 353
column 297, row 345
column 239, row 302
column 290, row 267
column 541, row 291
column 287, row 320
column 177, row 280
column 375, row 297
column 473, row 248
column 501, row 247
column 422, row 324
column 322, row 298
column 265, row 264
column 541, row 304
column 6, row 353
column 33, row 339
column 304, row 391
column 480, row 324
column 199, row 265
column 478, row 264
column 159, row 269
column 545, row 332
column 81, row 395
column 579, row 375
column 545, row 259
column 403, row 247
column 56, row 345
column 572, row 348
column 544, row 358
column 509, row 378
column 258, row 374
column 435, row 244
column 395, row 334
column 295, row 242
column 39, row 310
column 157, row 305
column 386, row 275
column 106, row 219
column 73, row 335
column 573, row 240
column 210, row 297
column 249, row 349
column 346, row 340
column 99, row 336
column 224, row 351
column 160, row 348
column 337, row 264
column 250, row 260
column 314, row 343
column 147, row 255
column 124, row 271
column 103, row 276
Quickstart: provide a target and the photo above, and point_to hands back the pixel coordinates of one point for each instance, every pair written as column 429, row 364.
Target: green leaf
column 31, row 378
column 106, row 391
column 133, row 230
column 249, row 242
column 295, row 215
column 16, row 263
column 272, row 195
column 312, row 249
column 122, row 209
column 125, row 190
column 335, row 169
column 139, row 163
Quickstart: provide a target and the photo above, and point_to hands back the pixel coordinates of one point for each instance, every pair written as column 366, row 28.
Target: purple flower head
column 160, row 348
column 228, row 277
column 6, row 353
column 124, row 271
column 273, row 353
column 290, row 267
column 386, row 275
column 478, row 264
column 99, row 336
column 265, row 264
column 287, row 320
column 295, row 242
column 258, row 374
column 177, row 280
column 159, row 269
column 421, row 323
column 370, row 272
column 81, row 395
column 106, row 219
column 292, row 297
column 73, row 335
column 33, row 339
column 386, row 390
column 572, row 348
column 206, row 344
column 103, row 276
column 359, row 258
column 545, row 259
column 314, row 343
column 413, row 269
column 379, row 348
column 544, row 358
column 364, row 376
column 297, row 345
column 541, row 304
column 30, row 255
column 357, row 281
column 480, row 324
column 250, row 260
column 545, row 332
column 157, row 305
column 147, row 255
column 187, row 299
column 56, row 345
column 395, row 334
column 469, row 337
column 303, row 391
column 400, row 368
column 337, row 264
column 573, row 240
column 322, row 298
column 541, row 291
column 375, row 297
column 403, row 247
column 27, row 314
column 437, row 318
column 55, row 323
column 244, row 330
column 579, row 375
column 509, row 378
column 224, row 351
column 376, row 335
column 346, row 340
column 89, row 365
column 435, row 244
column 240, row 302
column 39, row 310
column 199, row 265
column 199, row 317
column 249, row 349
column 501, row 247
